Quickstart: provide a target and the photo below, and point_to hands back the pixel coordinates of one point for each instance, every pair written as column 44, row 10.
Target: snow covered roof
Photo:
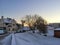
column 7, row 20
column 57, row 29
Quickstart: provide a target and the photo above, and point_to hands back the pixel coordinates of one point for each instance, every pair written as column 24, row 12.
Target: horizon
column 17, row 9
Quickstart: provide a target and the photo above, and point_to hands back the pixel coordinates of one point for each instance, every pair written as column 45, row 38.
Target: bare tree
column 35, row 21
column 30, row 20
column 23, row 21
column 41, row 25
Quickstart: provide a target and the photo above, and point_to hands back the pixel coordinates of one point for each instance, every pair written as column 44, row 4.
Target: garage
column 57, row 32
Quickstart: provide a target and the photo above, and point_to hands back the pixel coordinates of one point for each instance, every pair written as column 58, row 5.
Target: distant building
column 8, row 24
column 55, row 25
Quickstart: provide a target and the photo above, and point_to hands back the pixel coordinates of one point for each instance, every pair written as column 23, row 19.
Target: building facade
column 8, row 24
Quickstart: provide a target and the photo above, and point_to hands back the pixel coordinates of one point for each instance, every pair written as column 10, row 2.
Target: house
column 8, row 24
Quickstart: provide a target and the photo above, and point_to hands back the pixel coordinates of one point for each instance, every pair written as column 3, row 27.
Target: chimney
column 2, row 17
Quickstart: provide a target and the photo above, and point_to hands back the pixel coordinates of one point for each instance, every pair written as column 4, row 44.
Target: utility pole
column 1, row 12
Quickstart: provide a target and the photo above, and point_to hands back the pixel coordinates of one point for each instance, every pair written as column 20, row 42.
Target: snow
column 25, row 28
column 36, row 31
column 6, row 20
column 29, row 38
column 13, row 42
column 7, row 40
column 35, row 39
column 50, row 33
column 50, row 28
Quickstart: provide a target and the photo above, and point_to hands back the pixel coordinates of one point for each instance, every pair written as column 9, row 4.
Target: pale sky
column 48, row 9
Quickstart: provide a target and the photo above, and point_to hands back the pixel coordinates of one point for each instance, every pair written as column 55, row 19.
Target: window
column 6, row 23
column 9, row 26
column 13, row 24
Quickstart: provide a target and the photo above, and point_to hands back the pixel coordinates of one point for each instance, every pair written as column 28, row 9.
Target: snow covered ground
column 50, row 33
column 7, row 40
column 29, row 38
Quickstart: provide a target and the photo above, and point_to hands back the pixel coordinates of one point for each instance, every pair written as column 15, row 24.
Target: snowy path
column 35, row 39
column 29, row 38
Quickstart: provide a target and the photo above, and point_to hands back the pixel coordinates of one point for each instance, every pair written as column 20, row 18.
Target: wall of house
column 10, row 26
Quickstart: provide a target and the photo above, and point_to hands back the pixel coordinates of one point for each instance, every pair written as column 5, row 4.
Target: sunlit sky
column 48, row 9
